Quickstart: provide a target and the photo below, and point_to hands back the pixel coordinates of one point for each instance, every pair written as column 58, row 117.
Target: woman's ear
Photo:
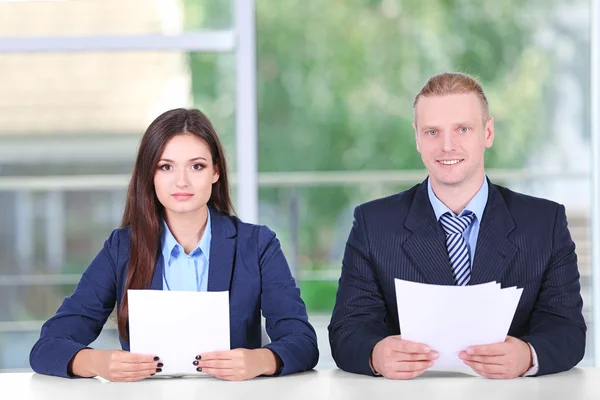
column 216, row 174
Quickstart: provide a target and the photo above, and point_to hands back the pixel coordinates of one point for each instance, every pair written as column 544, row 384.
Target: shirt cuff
column 371, row 366
column 534, row 360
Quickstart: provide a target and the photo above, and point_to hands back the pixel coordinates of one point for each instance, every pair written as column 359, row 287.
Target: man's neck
column 456, row 197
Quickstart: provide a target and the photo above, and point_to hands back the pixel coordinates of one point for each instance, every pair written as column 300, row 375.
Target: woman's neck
column 187, row 228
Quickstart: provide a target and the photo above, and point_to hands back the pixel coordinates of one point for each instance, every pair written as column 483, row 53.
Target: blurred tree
column 336, row 81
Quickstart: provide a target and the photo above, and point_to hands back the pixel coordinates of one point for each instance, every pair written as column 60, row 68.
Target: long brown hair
column 143, row 212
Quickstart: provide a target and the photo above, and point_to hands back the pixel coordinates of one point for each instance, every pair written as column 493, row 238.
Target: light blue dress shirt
column 186, row 272
column 476, row 206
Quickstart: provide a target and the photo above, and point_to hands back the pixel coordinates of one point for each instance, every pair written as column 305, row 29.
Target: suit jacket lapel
column 222, row 255
column 157, row 276
column 222, row 252
column 494, row 251
column 427, row 245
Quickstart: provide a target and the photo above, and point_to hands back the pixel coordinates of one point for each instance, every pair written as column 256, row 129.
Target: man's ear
column 417, row 138
column 489, row 132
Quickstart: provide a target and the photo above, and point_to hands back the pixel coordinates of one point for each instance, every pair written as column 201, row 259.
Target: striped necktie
column 458, row 250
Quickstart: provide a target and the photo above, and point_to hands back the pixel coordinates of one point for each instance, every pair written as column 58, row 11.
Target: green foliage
column 336, row 82
column 319, row 296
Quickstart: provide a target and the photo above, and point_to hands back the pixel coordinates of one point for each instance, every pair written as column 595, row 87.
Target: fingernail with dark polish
column 156, row 358
column 152, row 374
column 198, row 357
column 160, row 365
column 158, row 369
column 199, row 369
column 195, row 363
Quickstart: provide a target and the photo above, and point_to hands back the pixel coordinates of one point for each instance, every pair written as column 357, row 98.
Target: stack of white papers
column 449, row 319
column 177, row 326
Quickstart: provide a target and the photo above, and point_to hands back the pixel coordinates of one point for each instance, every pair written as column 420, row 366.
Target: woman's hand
column 115, row 365
column 238, row 364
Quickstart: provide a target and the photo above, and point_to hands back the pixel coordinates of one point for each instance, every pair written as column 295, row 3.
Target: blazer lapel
column 427, row 245
column 222, row 252
column 494, row 251
column 157, row 276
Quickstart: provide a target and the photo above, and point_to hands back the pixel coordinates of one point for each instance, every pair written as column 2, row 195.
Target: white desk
column 577, row 384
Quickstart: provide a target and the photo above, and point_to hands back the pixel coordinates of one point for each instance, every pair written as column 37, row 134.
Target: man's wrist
column 533, row 364
column 371, row 365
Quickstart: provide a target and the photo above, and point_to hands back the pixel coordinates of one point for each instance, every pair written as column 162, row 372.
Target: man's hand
column 506, row 360
column 395, row 358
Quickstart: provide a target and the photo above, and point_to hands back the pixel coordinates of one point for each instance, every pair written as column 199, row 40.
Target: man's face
column 452, row 137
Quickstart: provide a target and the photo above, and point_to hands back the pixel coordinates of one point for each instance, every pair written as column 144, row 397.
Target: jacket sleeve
column 80, row 318
column 293, row 338
column 358, row 321
column 556, row 327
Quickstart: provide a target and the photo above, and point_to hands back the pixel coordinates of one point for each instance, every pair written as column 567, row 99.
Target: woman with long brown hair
column 179, row 233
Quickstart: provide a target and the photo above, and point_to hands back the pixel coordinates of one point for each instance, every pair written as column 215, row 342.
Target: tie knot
column 456, row 224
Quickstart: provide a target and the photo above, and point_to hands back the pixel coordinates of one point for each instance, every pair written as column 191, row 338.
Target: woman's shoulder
column 249, row 231
column 122, row 234
column 118, row 242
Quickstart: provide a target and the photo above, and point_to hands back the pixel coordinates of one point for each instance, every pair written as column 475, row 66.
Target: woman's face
column 184, row 175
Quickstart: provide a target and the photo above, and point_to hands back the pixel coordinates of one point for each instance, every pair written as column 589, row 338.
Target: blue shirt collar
column 169, row 243
column 476, row 205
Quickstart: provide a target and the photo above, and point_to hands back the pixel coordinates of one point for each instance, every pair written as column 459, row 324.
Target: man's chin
column 449, row 180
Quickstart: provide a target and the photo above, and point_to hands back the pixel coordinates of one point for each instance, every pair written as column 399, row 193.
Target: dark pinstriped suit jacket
column 523, row 241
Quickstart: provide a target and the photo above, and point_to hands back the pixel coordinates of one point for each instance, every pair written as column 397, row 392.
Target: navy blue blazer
column 245, row 259
column 523, row 241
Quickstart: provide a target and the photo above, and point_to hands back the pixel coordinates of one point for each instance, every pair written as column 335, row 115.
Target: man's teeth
column 450, row 162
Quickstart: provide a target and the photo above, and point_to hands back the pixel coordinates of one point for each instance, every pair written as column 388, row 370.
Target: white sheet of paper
column 177, row 326
column 449, row 319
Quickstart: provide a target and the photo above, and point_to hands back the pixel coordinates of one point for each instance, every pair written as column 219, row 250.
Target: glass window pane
column 85, row 112
column 81, row 115
column 343, row 98
column 112, row 17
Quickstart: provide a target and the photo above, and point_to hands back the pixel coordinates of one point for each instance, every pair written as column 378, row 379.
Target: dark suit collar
column 494, row 251
column 222, row 254
column 222, row 225
column 427, row 248
column 222, row 251
column 421, row 212
column 476, row 205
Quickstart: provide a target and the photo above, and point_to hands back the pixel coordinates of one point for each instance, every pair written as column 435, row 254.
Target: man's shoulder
column 520, row 205
column 527, row 207
column 397, row 203
column 518, row 199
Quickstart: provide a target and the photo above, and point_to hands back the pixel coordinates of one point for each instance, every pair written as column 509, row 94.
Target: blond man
column 458, row 228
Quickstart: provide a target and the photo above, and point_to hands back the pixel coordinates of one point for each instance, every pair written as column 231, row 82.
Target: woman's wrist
column 269, row 361
column 83, row 363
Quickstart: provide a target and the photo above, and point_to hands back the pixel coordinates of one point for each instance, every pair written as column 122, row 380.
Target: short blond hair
column 454, row 83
